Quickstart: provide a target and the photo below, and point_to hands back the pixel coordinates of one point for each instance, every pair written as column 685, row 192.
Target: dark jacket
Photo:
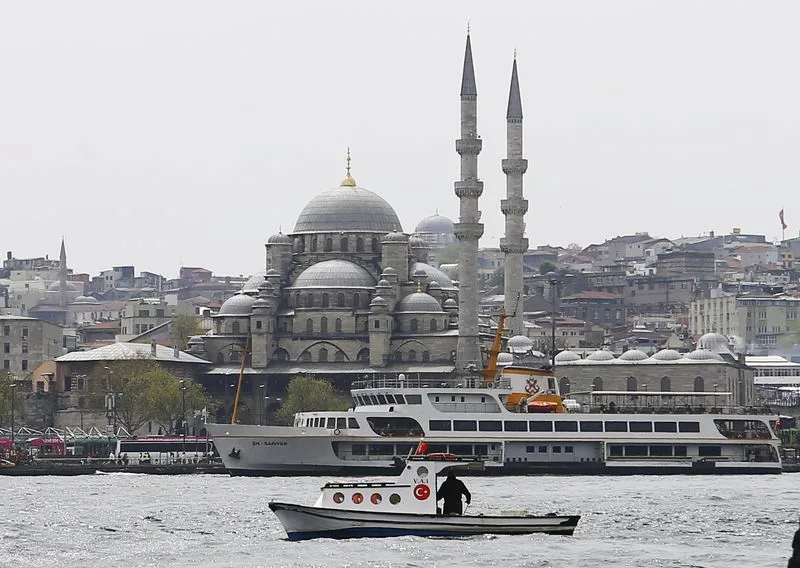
column 451, row 491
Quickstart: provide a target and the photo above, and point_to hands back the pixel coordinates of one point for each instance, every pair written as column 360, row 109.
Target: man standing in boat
column 451, row 491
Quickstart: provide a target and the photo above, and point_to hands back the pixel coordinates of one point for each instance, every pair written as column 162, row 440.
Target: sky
column 169, row 133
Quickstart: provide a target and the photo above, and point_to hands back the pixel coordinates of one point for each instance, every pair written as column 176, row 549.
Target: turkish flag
column 422, row 448
column 783, row 223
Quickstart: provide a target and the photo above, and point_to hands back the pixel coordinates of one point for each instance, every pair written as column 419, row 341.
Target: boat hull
column 302, row 523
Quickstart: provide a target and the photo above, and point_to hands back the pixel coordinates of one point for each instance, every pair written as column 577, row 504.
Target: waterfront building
column 26, row 343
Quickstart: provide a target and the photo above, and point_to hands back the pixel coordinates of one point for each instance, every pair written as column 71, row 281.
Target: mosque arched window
column 666, row 384
column 563, row 385
column 426, row 356
column 309, row 326
column 306, row 356
column 344, row 246
column 699, row 384
column 309, row 300
column 631, row 385
column 339, row 357
column 337, row 326
column 356, row 300
column 377, row 324
column 398, row 356
column 374, row 244
column 363, row 355
column 326, row 302
column 220, row 357
column 413, row 325
column 323, row 324
column 297, row 300
column 280, row 355
column 359, row 244
column 301, row 244
column 434, row 325
column 323, row 355
column 340, row 300
column 313, row 244
column 412, row 355
column 328, row 244
column 597, row 383
column 235, row 328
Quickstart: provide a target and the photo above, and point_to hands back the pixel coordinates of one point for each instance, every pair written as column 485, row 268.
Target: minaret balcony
column 514, row 165
column 468, row 231
column 469, row 146
column 469, row 188
column 518, row 246
column 514, row 207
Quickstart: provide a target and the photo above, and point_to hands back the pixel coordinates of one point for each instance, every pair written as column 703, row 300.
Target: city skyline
column 189, row 138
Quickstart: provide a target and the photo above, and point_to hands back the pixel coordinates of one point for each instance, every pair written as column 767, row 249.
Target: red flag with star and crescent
column 783, row 223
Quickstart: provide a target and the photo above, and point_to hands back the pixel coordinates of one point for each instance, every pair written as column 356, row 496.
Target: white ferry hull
column 303, row 523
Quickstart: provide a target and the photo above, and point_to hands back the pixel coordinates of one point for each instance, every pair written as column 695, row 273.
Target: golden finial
column 515, row 54
column 348, row 181
column 419, row 286
column 468, row 25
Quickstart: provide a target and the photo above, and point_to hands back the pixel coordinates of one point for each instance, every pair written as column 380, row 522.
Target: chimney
column 176, row 352
column 711, row 234
column 153, row 347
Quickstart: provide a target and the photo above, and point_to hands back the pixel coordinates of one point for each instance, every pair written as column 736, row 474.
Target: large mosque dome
column 348, row 208
column 436, row 224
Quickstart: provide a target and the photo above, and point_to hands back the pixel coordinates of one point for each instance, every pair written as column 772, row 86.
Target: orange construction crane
column 490, row 370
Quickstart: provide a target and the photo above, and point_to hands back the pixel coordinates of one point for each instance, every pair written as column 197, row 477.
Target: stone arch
column 563, row 385
column 363, row 355
column 280, row 354
column 597, row 383
column 415, row 345
column 699, row 384
column 339, row 357
column 322, row 349
column 632, row 384
column 666, row 384
column 305, row 356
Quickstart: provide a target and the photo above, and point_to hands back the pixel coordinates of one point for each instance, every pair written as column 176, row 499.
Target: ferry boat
column 406, row 508
column 518, row 423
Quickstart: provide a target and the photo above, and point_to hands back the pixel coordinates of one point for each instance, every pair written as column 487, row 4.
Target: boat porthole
column 376, row 498
column 338, row 497
column 394, row 498
column 422, row 471
column 357, row 498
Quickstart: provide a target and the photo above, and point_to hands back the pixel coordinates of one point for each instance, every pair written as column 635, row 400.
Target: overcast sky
column 167, row 133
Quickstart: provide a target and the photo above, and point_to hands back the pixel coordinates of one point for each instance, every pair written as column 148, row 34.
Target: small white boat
column 408, row 507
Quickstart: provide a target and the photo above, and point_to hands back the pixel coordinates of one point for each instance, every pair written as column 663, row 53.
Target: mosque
column 349, row 293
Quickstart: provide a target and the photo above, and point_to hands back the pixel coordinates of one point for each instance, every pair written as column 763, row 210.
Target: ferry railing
column 425, row 383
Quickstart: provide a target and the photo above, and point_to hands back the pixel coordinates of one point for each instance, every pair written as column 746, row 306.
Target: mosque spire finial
column 348, row 181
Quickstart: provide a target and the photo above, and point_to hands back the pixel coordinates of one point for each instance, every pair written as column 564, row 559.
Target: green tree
column 6, row 392
column 183, row 328
column 166, row 399
column 546, row 267
column 306, row 394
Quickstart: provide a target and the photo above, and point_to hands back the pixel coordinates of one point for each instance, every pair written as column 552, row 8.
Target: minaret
column 62, row 275
column 468, row 229
column 514, row 207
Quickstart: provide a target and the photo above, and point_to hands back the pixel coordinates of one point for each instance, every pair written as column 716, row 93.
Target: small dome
column 633, row 355
column 238, row 305
column 260, row 303
column 416, row 242
column 434, row 286
column 56, row 287
column 383, row 283
column 85, row 300
column 519, row 344
column 450, row 303
column 420, row 272
column 567, row 357
column 418, row 302
column 378, row 301
column 434, row 274
column 600, row 356
column 666, row 355
column 279, row 239
column 389, row 271
column 395, row 237
column 254, row 282
column 505, row 358
column 266, row 285
column 272, row 272
column 334, row 274
column 715, row 342
column 435, row 224
column 701, row 355
column 347, row 208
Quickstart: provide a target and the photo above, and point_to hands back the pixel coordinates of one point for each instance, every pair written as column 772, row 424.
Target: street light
column 260, row 404
column 183, row 418
column 12, row 386
column 555, row 281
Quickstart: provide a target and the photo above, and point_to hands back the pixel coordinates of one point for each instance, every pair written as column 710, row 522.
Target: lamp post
column 183, row 418
column 13, row 387
column 555, row 281
column 260, row 404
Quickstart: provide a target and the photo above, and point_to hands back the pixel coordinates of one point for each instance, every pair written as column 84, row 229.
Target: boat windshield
column 742, row 429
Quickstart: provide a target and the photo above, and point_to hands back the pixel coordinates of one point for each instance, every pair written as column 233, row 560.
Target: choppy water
column 213, row 520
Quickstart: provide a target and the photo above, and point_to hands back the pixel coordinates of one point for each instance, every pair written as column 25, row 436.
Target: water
column 213, row 520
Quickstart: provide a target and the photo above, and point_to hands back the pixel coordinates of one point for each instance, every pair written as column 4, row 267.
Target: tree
column 546, row 267
column 6, row 392
column 165, row 399
column 183, row 328
column 306, row 394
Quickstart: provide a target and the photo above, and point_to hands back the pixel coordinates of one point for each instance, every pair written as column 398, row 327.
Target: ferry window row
column 561, row 426
column 331, row 423
column 384, row 399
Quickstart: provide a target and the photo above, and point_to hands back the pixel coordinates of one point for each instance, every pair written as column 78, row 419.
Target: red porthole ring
column 338, row 497
column 357, row 498
column 376, row 498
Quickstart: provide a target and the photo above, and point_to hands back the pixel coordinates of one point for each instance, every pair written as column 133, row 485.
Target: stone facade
column 27, row 342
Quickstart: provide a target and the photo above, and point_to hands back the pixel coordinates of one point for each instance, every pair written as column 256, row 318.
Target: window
column 359, row 244
column 563, row 385
column 631, row 384
column 310, row 300
column 6, row 330
column 490, row 426
column 377, row 324
column 258, row 324
column 426, row 356
column 359, row 449
column 688, row 426
column 433, row 325
column 24, row 364
column 566, row 426
column 356, row 301
column 374, row 244
column 615, row 450
column 597, row 383
column 337, row 325
column 680, row 451
column 220, row 357
column 556, row 449
column 297, row 301
column 591, row 426
column 616, row 426
column 540, row 425
column 340, row 300
column 530, row 449
column 413, row 399
column 464, row 425
column 638, row 451
column 437, row 425
column 305, row 357
column 641, row 426
column 326, row 301
column 343, row 245
column 666, row 384
column 323, row 324
column 666, row 427
column 516, row 426
column 6, row 364
column 323, row 355
column 309, row 326
column 235, row 327
column 412, row 355
column 699, row 384
column 339, row 357
column 542, row 449
column 6, row 348
column 661, row 451
column 709, row 451
column 328, row 245
column 569, row 449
